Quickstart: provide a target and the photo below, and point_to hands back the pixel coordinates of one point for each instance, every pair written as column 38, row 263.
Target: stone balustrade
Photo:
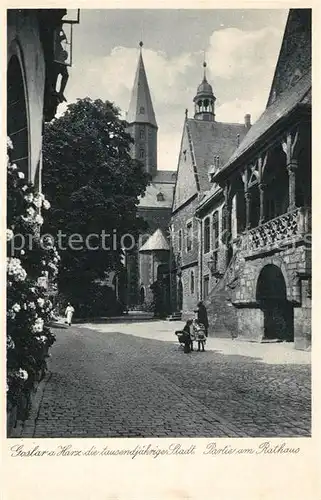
column 285, row 229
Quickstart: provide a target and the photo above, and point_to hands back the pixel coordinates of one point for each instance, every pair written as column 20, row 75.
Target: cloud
column 234, row 52
column 240, row 68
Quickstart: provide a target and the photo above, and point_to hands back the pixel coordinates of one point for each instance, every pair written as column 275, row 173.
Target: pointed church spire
column 141, row 107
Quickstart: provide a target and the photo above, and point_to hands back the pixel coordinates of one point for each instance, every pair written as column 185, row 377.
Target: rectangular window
column 216, row 230
column 207, row 235
column 142, row 133
column 206, row 287
column 189, row 236
column 180, row 237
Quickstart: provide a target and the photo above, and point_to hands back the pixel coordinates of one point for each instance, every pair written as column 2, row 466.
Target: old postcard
column 159, row 251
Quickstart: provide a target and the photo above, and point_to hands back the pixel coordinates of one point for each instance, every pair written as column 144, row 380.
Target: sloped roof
column 150, row 198
column 285, row 103
column 211, row 139
column 166, row 176
column 141, row 107
column 155, row 242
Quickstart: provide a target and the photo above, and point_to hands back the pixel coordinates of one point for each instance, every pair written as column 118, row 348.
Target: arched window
column 142, row 133
column 160, row 196
column 17, row 122
column 142, row 295
column 141, row 153
column 207, row 235
column 192, row 282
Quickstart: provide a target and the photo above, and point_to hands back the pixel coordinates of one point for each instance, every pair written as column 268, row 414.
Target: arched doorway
column 142, row 295
column 278, row 311
column 17, row 121
column 179, row 295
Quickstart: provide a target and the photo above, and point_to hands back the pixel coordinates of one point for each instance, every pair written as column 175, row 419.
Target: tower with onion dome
column 204, row 101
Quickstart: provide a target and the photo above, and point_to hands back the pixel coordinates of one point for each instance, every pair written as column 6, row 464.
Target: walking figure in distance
column 69, row 313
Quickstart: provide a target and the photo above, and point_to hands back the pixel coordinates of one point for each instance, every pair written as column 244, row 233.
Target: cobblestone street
column 106, row 381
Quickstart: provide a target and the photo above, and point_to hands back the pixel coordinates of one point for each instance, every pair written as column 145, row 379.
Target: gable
column 186, row 182
column 295, row 55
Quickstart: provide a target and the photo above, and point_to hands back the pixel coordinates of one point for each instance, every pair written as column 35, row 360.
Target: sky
column 241, row 48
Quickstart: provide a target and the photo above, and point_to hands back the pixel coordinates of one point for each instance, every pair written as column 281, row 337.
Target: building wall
column 295, row 264
column 190, row 299
column 156, row 218
column 189, row 259
column 145, row 137
column 186, row 186
column 23, row 33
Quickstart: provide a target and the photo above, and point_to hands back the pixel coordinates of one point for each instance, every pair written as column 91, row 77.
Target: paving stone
column 115, row 384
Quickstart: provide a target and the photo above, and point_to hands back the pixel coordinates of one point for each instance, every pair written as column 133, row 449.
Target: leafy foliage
column 93, row 185
column 31, row 261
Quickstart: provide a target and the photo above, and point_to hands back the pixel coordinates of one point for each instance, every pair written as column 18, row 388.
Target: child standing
column 200, row 335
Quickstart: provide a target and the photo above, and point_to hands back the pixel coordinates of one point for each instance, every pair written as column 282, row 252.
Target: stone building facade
column 264, row 290
column 33, row 67
column 206, row 144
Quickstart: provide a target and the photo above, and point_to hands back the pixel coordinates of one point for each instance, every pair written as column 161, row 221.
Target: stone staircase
column 222, row 315
column 175, row 316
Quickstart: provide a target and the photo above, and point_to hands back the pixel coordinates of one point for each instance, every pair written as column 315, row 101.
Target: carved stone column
column 289, row 147
column 262, row 187
column 247, row 196
column 292, row 168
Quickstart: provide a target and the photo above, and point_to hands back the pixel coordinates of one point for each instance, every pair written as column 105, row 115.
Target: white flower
column 16, row 307
column 24, row 306
column 38, row 325
column 32, row 305
column 15, row 269
column 9, row 234
column 9, row 143
column 37, row 201
column 32, row 289
column 40, row 302
column 42, row 339
column 24, row 188
column 22, row 252
column 13, row 166
column 21, row 175
column 23, row 374
column 11, row 314
column 10, row 342
column 46, row 205
column 31, row 211
column 39, row 219
column 29, row 197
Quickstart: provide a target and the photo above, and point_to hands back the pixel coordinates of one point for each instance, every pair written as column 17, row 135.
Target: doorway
column 278, row 311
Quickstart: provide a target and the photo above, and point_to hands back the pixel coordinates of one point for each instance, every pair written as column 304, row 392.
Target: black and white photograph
column 159, row 230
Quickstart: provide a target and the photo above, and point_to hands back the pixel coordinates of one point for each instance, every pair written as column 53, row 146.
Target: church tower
column 204, row 100
column 141, row 120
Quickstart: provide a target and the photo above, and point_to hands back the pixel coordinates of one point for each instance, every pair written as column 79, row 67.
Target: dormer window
column 160, row 197
column 142, row 110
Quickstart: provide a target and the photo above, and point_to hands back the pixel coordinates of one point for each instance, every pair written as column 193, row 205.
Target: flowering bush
column 31, row 261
